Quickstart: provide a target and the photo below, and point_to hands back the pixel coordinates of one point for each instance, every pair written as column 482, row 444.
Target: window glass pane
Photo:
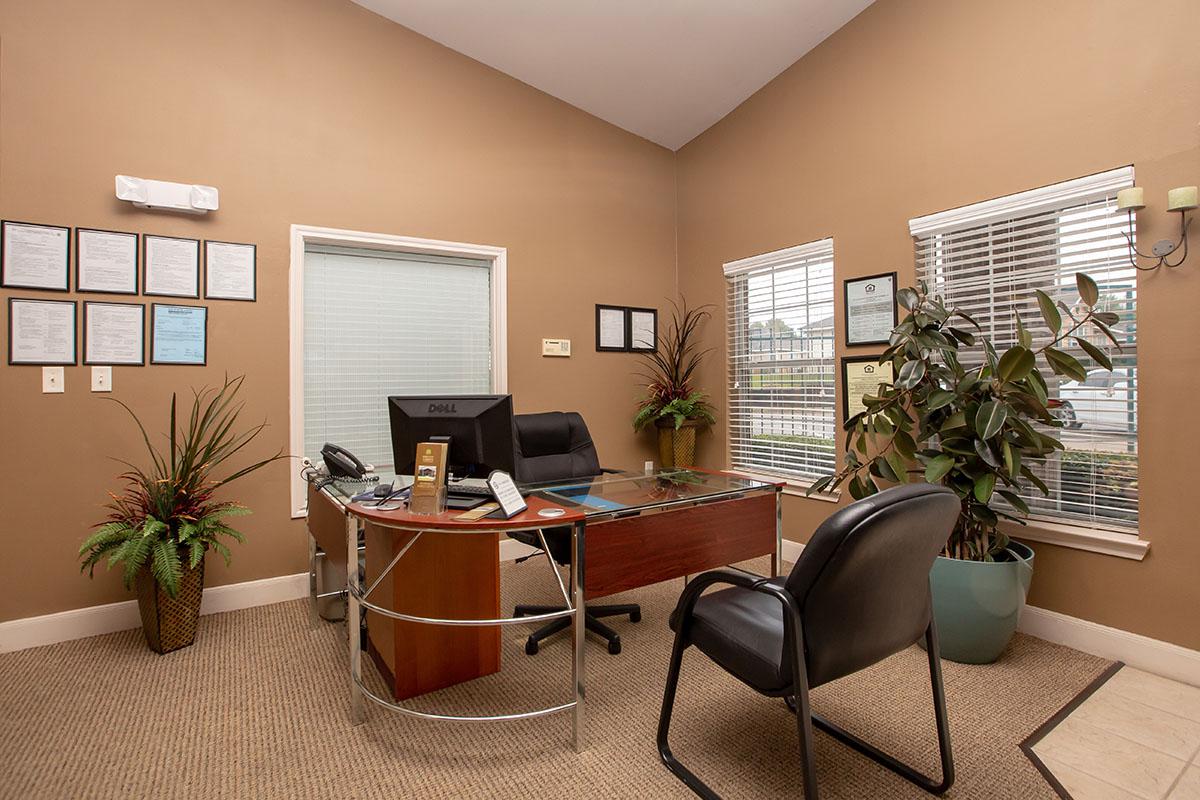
column 378, row 323
column 991, row 272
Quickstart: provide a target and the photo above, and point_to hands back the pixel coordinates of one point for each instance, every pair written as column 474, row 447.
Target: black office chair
column 858, row 593
column 549, row 447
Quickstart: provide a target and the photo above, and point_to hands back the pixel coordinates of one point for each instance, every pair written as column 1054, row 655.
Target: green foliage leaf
column 899, row 468
column 990, row 418
column 1065, row 364
column 1049, row 311
column 910, row 374
column 907, row 298
column 165, row 566
column 1017, row 501
column 1089, row 293
column 984, row 486
column 938, row 468
column 939, row 399
column 1098, row 355
column 1107, row 318
column 1015, row 364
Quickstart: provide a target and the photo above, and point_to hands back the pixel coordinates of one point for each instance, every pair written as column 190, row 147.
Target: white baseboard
column 79, row 623
column 1141, row 652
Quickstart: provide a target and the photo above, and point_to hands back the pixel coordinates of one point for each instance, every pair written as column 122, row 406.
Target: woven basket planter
column 170, row 622
column 677, row 448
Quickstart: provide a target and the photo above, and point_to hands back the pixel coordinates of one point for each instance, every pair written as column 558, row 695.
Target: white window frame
column 792, row 484
column 304, row 235
column 1078, row 536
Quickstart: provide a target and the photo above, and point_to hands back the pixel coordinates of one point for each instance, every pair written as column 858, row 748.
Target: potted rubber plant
column 167, row 517
column 984, row 431
column 676, row 408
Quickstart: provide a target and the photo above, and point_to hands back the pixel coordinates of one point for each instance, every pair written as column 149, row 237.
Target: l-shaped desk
column 627, row 530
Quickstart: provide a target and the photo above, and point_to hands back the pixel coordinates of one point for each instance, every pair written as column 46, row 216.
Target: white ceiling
column 663, row 69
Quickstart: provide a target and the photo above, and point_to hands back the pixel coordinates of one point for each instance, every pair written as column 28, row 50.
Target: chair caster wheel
column 614, row 647
column 531, row 647
column 790, row 702
column 635, row 616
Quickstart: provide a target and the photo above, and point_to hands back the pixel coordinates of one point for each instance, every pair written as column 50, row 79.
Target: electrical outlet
column 52, row 380
column 560, row 348
column 101, row 379
column 648, row 467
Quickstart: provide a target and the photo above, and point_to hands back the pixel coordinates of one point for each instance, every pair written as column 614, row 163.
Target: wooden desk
column 432, row 591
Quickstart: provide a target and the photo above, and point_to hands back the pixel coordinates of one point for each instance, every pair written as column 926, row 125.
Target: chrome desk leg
column 354, row 621
column 313, row 619
column 578, row 628
column 777, row 556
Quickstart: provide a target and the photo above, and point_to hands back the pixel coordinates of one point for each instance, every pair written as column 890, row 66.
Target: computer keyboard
column 474, row 487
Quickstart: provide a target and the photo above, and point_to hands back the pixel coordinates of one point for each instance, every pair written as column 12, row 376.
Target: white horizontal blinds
column 781, row 362
column 989, row 266
column 378, row 323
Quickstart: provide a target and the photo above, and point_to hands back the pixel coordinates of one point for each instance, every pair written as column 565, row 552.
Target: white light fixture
column 190, row 198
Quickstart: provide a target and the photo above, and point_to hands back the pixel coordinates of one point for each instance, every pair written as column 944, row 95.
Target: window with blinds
column 781, row 362
column 987, row 260
column 380, row 323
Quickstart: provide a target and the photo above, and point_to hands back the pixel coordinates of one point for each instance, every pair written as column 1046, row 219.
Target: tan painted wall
column 922, row 105
column 314, row 112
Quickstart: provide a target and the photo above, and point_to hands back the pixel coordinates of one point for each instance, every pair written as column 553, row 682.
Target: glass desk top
column 609, row 494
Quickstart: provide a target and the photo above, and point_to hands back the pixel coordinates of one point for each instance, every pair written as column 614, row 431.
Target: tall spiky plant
column 668, row 371
column 166, row 516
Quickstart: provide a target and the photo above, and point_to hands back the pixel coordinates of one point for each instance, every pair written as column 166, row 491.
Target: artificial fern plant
column 668, row 373
column 166, row 517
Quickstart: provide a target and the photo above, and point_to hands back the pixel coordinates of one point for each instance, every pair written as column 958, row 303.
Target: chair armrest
column 731, row 576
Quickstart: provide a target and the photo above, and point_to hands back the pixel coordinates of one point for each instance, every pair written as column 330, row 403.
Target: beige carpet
column 256, row 709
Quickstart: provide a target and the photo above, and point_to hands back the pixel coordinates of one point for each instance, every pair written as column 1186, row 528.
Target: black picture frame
column 624, row 348
column 630, row 311
column 253, row 271
column 846, row 307
column 84, row 328
column 6, row 283
column 146, row 237
column 154, row 310
column 137, row 260
column 74, row 333
column 847, row 360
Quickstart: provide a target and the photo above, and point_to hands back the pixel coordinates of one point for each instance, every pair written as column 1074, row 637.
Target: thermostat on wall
column 556, row 347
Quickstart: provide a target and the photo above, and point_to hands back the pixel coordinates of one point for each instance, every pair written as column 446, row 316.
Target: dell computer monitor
column 480, row 428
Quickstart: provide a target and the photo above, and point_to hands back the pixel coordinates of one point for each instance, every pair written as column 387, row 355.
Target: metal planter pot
column 977, row 604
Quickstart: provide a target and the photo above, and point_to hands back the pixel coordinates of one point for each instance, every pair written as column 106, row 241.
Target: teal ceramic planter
column 977, row 604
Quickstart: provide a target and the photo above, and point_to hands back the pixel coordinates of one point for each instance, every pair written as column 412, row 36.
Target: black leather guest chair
column 858, row 593
column 552, row 446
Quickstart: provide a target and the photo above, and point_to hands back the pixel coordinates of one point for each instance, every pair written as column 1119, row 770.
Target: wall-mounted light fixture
column 190, row 198
column 1183, row 200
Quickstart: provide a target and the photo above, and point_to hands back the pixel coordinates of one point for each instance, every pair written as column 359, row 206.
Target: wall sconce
column 1183, row 200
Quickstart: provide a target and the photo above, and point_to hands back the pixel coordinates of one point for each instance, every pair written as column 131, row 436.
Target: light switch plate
column 101, row 379
column 560, row 348
column 52, row 380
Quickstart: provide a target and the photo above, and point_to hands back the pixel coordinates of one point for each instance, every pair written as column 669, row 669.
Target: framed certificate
column 861, row 375
column 612, row 328
column 106, row 261
column 171, row 266
column 41, row 332
column 114, row 333
column 870, row 308
column 35, row 256
column 229, row 271
column 178, row 334
column 643, row 329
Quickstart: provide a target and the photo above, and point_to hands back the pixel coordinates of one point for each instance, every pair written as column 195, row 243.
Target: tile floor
column 1137, row 736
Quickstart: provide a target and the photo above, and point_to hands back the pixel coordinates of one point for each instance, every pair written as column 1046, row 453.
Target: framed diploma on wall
column 643, row 330
column 114, row 334
column 106, row 261
column 612, row 328
column 178, row 334
column 870, row 305
column 41, row 332
column 35, row 256
column 171, row 266
column 861, row 375
column 230, row 271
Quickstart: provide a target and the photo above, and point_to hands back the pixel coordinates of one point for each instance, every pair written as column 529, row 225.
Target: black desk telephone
column 341, row 463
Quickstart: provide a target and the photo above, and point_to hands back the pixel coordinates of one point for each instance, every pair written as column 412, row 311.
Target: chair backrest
column 553, row 445
column 862, row 581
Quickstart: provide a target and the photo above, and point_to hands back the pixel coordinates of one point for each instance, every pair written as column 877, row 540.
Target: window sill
column 1109, row 543
column 791, row 486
